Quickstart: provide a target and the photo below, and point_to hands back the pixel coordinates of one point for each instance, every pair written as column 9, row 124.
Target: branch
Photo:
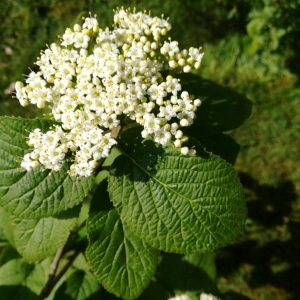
column 45, row 291
column 52, row 279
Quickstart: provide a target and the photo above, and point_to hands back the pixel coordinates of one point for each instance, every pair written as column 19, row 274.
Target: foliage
column 268, row 141
column 42, row 207
column 158, row 195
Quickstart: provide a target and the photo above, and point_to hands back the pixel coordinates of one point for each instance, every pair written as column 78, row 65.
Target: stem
column 65, row 267
column 52, row 279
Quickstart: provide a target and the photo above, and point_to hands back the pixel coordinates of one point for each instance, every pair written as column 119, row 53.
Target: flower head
column 96, row 77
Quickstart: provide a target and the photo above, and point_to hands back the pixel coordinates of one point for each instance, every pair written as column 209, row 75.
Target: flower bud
column 177, row 143
column 192, row 152
column 184, row 139
column 88, row 32
column 197, row 65
column 77, row 28
column 95, row 28
column 184, row 150
column 34, row 164
column 179, row 134
column 24, row 102
column 163, row 31
column 187, row 69
column 172, row 64
column 40, row 103
column 181, row 62
column 19, row 85
column 197, row 102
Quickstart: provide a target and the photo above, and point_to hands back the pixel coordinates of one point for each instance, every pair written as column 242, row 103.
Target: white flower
column 162, row 136
column 81, row 40
column 90, row 23
column 68, row 37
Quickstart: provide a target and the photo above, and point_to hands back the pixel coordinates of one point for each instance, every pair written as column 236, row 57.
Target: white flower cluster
column 180, row 297
column 205, row 296
column 98, row 78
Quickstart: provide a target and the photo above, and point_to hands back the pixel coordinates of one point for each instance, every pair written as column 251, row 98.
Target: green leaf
column 80, row 285
column 176, row 203
column 123, row 263
column 204, row 261
column 6, row 225
column 222, row 109
column 36, row 239
column 193, row 273
column 21, row 280
column 35, row 194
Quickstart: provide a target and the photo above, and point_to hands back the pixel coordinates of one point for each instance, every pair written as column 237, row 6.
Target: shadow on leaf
column 222, row 109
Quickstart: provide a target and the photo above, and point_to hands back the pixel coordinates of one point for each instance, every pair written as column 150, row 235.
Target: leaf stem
column 52, row 279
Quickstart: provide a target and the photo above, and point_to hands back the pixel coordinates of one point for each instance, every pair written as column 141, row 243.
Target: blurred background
column 252, row 47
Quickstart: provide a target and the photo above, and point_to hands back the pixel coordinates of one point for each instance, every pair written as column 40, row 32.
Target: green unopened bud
column 88, row 32
column 162, row 122
column 190, row 60
column 156, row 38
column 184, row 139
column 167, row 127
column 152, row 54
column 163, row 31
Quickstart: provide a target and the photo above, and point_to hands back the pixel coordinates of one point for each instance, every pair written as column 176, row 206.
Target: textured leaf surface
column 176, row 203
column 37, row 239
column 123, row 263
column 80, row 285
column 21, row 280
column 6, row 225
column 33, row 194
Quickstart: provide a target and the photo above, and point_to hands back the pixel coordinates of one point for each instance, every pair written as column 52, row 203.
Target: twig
column 66, row 267
column 48, row 287
column 52, row 279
